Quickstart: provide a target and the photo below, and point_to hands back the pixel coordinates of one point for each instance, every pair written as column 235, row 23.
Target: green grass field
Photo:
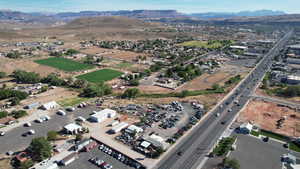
column 64, row 64
column 100, row 75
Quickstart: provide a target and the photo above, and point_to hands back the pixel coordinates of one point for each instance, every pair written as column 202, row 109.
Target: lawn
column 100, row 75
column 202, row 44
column 64, row 64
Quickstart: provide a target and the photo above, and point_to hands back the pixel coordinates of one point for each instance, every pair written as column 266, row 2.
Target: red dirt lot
column 266, row 114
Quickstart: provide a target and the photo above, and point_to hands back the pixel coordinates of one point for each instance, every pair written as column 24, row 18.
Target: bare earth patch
column 266, row 115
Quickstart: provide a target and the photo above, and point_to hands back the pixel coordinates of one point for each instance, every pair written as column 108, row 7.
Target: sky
column 185, row 6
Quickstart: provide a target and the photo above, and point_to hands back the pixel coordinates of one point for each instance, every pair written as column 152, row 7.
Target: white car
column 28, row 124
column 61, row 112
column 45, row 118
column 2, row 133
column 32, row 132
column 39, row 120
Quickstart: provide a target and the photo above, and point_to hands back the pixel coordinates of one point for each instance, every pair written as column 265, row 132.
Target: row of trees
column 9, row 93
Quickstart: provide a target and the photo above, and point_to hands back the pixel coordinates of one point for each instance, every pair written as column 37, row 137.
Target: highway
column 195, row 146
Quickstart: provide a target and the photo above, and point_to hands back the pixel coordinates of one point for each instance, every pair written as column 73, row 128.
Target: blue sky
column 187, row 6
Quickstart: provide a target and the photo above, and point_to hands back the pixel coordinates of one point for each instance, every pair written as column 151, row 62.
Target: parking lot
column 14, row 141
column 255, row 153
column 83, row 161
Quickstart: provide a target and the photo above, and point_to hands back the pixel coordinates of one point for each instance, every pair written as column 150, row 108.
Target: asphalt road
column 14, row 141
column 197, row 144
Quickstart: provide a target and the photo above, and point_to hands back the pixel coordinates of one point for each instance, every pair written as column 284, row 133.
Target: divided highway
column 196, row 145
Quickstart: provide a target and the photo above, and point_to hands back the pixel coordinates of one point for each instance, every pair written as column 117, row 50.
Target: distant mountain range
column 237, row 14
column 52, row 18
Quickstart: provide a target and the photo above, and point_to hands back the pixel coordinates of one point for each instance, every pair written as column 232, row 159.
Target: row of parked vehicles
column 100, row 163
column 119, row 156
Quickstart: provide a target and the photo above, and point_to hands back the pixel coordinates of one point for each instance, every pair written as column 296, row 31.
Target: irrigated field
column 64, row 64
column 100, row 75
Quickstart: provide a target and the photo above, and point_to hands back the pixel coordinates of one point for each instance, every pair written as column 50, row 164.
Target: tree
column 26, row 77
column 131, row 93
column 96, row 90
column 15, row 101
column 3, row 114
column 19, row 113
column 80, row 83
column 52, row 135
column 231, row 163
column 2, row 75
column 216, row 86
column 53, row 80
column 134, row 82
column 72, row 52
column 184, row 93
column 26, row 164
column 40, row 148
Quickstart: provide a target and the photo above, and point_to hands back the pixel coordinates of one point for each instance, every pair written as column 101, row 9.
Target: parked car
column 31, row 132
column 2, row 133
column 28, row 124
column 61, row 112
column 39, row 120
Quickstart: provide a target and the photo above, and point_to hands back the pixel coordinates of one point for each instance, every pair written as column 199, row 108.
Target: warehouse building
column 118, row 128
column 102, row 115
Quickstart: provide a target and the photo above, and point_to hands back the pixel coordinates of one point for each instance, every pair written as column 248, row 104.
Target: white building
column 246, row 128
column 50, row 105
column 157, row 141
column 72, row 128
column 133, row 128
column 118, row 127
column 102, row 115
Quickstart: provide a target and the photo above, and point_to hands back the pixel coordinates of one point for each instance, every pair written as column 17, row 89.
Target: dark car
column 223, row 122
column 179, row 153
column 266, row 139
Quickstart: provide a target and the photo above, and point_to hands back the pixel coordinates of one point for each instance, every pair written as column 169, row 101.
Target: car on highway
column 266, row 139
column 28, row 124
column 179, row 153
column 2, row 133
column 45, row 118
column 39, row 120
column 31, row 132
column 223, row 122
